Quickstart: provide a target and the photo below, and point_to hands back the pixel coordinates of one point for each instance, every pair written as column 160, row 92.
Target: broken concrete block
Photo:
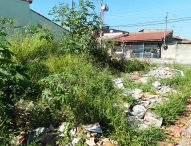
column 151, row 119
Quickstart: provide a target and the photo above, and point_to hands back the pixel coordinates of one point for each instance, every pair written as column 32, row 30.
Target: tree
column 82, row 24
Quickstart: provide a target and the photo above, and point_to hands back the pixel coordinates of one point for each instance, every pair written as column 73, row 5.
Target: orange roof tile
column 143, row 36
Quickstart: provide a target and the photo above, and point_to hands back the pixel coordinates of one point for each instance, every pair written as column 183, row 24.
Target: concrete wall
column 177, row 53
column 36, row 18
column 16, row 9
column 170, row 53
column 22, row 14
column 183, row 54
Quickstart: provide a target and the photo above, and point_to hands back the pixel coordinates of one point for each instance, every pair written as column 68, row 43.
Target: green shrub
column 171, row 109
column 89, row 92
column 102, row 58
column 31, row 47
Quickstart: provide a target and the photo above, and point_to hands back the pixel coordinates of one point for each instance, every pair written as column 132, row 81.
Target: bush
column 89, row 92
column 102, row 58
column 171, row 109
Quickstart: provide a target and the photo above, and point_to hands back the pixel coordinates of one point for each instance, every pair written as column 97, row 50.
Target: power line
column 154, row 22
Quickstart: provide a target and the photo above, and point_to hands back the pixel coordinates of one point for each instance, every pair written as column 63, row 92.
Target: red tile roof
column 143, row 36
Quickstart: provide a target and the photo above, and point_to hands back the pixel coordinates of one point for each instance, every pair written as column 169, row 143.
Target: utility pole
column 101, row 20
column 166, row 25
column 103, row 8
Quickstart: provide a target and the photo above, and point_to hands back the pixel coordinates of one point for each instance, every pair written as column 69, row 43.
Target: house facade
column 144, row 44
column 20, row 11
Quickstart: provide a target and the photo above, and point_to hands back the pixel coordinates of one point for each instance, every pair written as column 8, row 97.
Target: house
column 20, row 11
column 145, row 44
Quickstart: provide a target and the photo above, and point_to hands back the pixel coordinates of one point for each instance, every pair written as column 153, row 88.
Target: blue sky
column 122, row 12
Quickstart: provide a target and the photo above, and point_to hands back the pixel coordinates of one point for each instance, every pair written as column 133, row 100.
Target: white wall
column 177, row 53
column 170, row 53
column 183, row 54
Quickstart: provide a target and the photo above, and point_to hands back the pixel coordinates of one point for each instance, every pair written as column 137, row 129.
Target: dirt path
column 179, row 133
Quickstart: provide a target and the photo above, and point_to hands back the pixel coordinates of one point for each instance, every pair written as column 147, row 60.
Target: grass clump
column 171, row 109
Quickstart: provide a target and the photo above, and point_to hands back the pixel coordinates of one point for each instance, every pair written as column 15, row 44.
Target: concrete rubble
column 50, row 136
column 151, row 119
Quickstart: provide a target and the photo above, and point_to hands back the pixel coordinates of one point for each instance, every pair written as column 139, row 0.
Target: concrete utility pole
column 166, row 25
column 103, row 8
column 101, row 19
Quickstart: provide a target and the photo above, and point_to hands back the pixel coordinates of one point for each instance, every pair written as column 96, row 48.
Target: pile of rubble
column 141, row 113
column 89, row 135
column 157, row 72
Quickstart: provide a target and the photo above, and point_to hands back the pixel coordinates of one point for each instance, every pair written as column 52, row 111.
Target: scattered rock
column 164, row 90
column 91, row 142
column 162, row 72
column 151, row 119
column 145, row 103
column 136, row 93
column 139, row 111
column 106, row 142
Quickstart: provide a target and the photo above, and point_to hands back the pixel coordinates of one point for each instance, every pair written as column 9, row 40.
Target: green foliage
column 171, row 109
column 148, row 137
column 102, row 58
column 89, row 92
column 82, row 22
column 30, row 45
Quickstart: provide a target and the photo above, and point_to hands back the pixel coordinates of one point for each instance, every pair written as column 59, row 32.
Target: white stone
column 151, row 119
column 139, row 111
